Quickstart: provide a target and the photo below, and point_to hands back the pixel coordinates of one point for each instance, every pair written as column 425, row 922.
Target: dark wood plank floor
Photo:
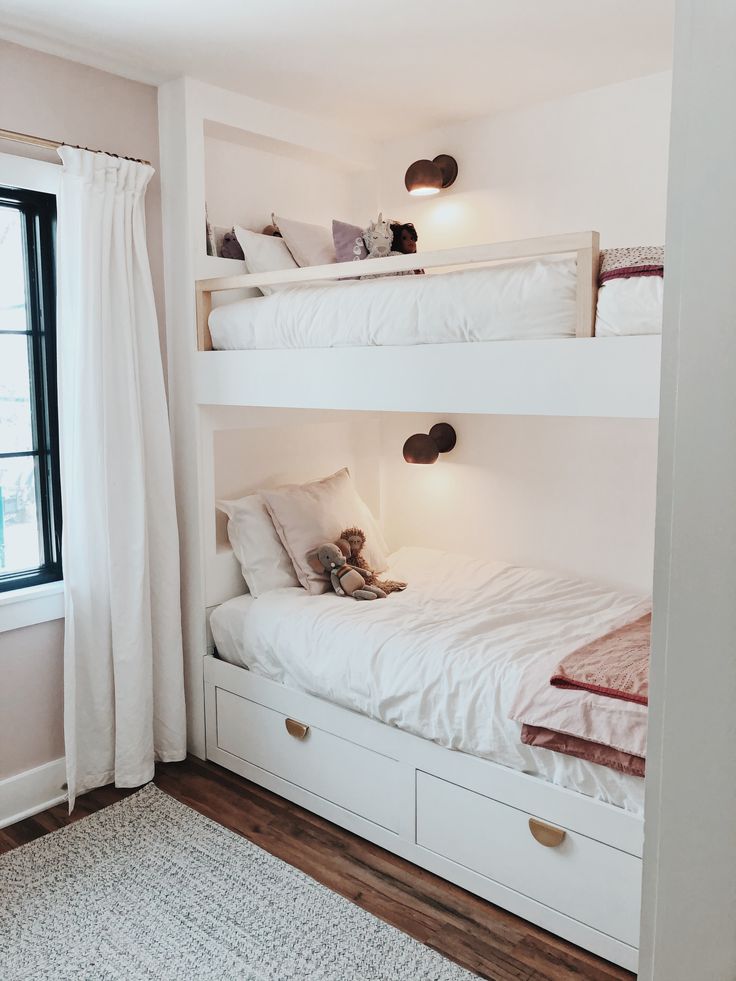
column 493, row 943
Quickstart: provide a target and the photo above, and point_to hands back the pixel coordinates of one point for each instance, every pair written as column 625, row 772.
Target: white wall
column 689, row 901
column 244, row 184
column 571, row 495
column 595, row 160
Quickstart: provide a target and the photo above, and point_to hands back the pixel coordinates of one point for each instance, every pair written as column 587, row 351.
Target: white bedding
column 630, row 306
column 519, row 300
column 442, row 659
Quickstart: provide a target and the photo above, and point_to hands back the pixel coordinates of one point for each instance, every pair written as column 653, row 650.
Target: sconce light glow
column 426, row 177
column 426, row 447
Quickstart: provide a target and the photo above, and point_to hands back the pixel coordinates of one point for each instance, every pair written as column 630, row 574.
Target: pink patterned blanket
column 596, row 707
column 616, row 665
column 643, row 260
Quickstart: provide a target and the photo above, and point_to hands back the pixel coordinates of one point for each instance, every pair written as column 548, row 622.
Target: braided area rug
column 150, row 889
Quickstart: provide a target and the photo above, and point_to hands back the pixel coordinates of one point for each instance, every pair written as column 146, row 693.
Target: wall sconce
column 431, row 176
column 425, row 448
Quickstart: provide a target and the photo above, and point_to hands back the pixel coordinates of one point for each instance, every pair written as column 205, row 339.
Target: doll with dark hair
column 405, row 240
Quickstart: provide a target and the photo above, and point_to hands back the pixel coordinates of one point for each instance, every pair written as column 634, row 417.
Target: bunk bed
column 504, row 312
column 567, row 860
column 559, row 844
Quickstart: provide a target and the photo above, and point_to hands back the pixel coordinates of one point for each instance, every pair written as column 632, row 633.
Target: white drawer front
column 355, row 778
column 585, row 879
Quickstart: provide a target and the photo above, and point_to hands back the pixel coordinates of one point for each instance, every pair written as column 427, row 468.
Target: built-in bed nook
column 425, row 720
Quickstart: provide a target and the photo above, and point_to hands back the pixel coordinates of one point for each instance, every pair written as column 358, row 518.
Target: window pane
column 20, row 543
column 12, row 271
column 16, row 426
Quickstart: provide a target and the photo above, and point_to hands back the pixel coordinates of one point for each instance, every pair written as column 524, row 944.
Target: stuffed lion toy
column 351, row 543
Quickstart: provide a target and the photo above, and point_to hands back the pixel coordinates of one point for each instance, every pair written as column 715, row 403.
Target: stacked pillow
column 273, row 531
column 265, row 253
column 299, row 244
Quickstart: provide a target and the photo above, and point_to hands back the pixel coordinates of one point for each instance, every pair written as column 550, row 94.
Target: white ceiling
column 379, row 66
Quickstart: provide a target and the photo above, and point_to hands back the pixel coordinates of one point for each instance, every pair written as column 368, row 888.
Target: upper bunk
column 560, row 368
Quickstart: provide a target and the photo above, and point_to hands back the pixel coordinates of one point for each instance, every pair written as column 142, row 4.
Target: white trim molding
column 28, row 173
column 32, row 791
column 34, row 604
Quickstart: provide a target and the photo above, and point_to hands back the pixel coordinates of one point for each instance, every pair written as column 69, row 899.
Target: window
column 30, row 504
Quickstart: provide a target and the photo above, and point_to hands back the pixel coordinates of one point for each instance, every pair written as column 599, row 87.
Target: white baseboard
column 32, row 791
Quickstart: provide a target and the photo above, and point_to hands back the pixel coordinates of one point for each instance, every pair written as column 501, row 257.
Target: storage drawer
column 583, row 878
column 355, row 778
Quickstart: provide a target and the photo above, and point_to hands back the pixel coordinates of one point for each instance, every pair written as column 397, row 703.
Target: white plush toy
column 378, row 238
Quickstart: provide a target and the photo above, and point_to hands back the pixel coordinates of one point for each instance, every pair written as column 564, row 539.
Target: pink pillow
column 307, row 515
column 348, row 239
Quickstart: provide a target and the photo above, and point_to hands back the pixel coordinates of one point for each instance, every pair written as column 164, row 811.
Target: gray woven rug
column 149, row 888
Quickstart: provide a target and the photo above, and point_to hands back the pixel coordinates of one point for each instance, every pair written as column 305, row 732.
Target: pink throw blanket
column 580, row 721
column 616, row 665
column 583, row 749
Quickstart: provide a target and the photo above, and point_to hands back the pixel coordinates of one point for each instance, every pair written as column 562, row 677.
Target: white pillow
column 256, row 545
column 311, row 245
column 307, row 515
column 265, row 253
column 630, row 306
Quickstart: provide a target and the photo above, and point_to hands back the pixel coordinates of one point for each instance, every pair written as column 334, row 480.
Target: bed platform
column 568, row 863
column 544, row 374
column 361, row 734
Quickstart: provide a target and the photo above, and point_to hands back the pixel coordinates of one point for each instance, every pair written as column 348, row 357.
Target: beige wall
column 31, row 666
column 62, row 100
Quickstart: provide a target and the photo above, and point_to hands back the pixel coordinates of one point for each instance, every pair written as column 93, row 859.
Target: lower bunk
column 567, row 862
column 391, row 719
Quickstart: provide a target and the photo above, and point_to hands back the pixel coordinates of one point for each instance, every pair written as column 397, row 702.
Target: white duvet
column 441, row 660
column 519, row 300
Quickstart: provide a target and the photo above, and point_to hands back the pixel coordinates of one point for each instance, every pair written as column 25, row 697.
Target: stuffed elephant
column 345, row 580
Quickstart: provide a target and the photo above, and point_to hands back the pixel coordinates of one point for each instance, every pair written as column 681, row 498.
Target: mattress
column 441, row 660
column 520, row 300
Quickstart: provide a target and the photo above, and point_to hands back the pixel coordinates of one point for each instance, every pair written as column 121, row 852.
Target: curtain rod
column 9, row 134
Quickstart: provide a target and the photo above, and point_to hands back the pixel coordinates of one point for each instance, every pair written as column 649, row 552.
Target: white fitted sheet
column 519, row 300
column 441, row 660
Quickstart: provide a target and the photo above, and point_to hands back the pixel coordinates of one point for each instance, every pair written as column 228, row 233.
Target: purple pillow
column 348, row 241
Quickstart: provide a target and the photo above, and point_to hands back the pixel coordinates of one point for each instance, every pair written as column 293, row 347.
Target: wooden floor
column 483, row 938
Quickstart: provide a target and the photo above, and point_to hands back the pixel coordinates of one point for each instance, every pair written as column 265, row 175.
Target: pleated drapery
column 123, row 669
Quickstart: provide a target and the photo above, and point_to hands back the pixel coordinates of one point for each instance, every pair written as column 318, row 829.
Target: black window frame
column 38, row 211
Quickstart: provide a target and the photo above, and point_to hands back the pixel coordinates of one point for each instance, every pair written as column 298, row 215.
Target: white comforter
column 441, row 660
column 519, row 300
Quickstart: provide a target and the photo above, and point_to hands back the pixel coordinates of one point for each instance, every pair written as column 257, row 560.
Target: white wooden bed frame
column 566, row 862
column 585, row 245
column 464, row 818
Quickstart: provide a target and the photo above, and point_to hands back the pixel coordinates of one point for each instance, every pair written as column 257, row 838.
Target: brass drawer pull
column 546, row 834
column 296, row 729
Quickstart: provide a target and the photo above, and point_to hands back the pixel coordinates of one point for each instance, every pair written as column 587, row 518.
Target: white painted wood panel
column 32, row 791
column 589, row 881
column 358, row 779
column 600, row 376
column 689, row 920
column 609, row 828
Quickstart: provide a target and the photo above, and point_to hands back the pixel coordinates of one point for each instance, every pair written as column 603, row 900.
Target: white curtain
column 123, row 669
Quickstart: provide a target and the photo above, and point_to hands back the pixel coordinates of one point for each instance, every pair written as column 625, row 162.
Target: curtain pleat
column 123, row 672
